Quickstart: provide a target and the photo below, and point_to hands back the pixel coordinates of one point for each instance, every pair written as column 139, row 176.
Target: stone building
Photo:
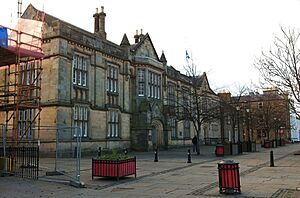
column 266, row 116
column 257, row 117
column 118, row 95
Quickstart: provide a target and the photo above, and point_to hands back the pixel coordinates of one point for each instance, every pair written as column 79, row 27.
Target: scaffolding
column 21, row 57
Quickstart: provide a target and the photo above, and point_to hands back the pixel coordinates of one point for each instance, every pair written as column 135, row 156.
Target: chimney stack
column 102, row 15
column 100, row 23
column 96, row 21
column 136, row 37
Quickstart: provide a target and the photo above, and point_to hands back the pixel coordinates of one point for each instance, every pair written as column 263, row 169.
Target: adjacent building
column 256, row 117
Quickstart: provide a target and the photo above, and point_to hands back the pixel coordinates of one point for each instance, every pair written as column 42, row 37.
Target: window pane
column 158, row 93
column 85, row 114
column 84, row 79
column 141, row 75
column 78, row 77
column 81, row 128
column 111, row 75
column 141, row 89
column 116, row 130
column 20, row 115
column 85, row 129
column 79, row 62
column 107, row 85
column 25, row 115
column 115, row 73
column 74, row 75
column 74, row 64
column 80, row 113
column 117, row 117
column 75, row 113
column 84, row 60
column 109, row 130
column 110, row 85
column 116, row 86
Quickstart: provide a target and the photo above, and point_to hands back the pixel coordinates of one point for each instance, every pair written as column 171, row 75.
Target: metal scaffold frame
column 20, row 83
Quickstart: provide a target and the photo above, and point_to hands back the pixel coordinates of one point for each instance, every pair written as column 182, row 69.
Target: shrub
column 114, row 155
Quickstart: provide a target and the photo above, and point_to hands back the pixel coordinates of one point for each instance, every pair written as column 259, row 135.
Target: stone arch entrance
column 157, row 134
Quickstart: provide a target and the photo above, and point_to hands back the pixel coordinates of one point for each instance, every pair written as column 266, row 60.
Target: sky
column 223, row 37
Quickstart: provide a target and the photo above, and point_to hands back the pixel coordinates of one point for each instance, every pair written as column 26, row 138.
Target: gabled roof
column 136, row 46
column 204, row 80
column 33, row 12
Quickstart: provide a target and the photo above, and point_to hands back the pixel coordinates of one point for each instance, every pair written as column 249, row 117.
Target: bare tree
column 279, row 66
column 204, row 103
column 229, row 108
column 270, row 115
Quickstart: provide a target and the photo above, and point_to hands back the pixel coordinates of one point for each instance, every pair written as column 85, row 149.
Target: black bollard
column 155, row 156
column 99, row 151
column 271, row 159
column 189, row 156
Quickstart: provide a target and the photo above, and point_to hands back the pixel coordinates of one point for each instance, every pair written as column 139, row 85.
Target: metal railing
column 21, row 161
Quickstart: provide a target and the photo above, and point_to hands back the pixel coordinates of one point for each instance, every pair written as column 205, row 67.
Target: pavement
column 171, row 176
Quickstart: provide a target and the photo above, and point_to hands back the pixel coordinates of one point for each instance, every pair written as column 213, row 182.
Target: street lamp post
column 276, row 131
column 238, row 123
column 248, row 131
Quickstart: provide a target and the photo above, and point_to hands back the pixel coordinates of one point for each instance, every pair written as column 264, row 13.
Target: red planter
column 113, row 168
column 268, row 144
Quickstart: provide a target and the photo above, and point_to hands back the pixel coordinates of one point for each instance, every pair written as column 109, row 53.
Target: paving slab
column 173, row 177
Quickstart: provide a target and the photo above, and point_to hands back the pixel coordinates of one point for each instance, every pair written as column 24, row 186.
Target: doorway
column 157, row 134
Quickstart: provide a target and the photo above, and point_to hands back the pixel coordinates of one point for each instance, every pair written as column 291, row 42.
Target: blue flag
column 187, row 55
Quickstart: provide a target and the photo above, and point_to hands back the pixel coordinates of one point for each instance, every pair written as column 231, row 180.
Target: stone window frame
column 171, row 94
column 260, row 105
column 141, row 79
column 113, row 123
column 80, row 70
column 154, row 85
column 24, row 123
column 112, row 79
column 112, row 84
column 81, row 120
column 173, row 125
column 186, row 129
column 28, row 72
